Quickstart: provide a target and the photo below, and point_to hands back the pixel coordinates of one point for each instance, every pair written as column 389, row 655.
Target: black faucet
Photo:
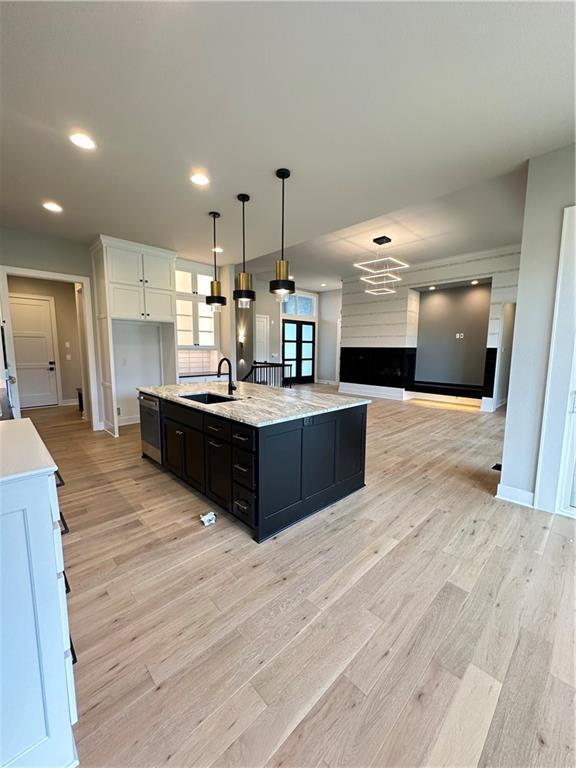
column 231, row 385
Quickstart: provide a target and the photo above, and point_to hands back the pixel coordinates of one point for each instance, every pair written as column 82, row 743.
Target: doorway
column 35, row 349
column 261, row 339
column 299, row 350
column 27, row 333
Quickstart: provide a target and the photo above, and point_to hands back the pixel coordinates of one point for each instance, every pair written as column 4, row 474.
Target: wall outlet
column 68, row 357
column 67, row 344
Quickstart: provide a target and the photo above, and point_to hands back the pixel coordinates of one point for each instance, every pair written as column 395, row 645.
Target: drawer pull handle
column 214, row 429
column 240, row 467
column 215, row 445
column 243, row 507
column 179, row 432
column 239, row 437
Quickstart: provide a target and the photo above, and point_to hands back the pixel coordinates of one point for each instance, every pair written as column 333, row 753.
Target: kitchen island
column 268, row 456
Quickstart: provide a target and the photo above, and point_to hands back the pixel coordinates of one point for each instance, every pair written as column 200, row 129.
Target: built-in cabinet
column 141, row 285
column 134, row 287
column 38, row 695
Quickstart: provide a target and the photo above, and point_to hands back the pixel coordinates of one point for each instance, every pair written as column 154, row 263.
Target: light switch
column 67, row 344
column 68, row 357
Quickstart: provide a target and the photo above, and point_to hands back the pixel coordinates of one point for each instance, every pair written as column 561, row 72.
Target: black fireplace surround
column 395, row 367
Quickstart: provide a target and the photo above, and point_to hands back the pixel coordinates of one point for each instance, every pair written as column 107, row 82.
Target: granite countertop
column 257, row 404
column 22, row 452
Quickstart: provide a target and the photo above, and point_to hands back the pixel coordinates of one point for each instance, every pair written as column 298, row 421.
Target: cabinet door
column 126, row 302
column 160, row 305
column 173, row 454
column 158, row 272
column 193, row 468
column 124, row 266
column 351, row 443
column 36, row 728
column 218, row 471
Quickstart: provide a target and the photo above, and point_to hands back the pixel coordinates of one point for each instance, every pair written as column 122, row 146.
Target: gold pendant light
column 215, row 300
column 282, row 286
column 244, row 295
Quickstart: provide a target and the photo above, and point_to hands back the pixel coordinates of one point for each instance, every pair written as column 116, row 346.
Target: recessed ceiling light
column 474, row 282
column 432, row 288
column 83, row 141
column 200, row 179
column 381, row 265
column 217, row 249
column 323, row 285
column 53, row 207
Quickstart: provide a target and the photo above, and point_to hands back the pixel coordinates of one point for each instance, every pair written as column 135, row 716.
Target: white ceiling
column 374, row 107
column 480, row 217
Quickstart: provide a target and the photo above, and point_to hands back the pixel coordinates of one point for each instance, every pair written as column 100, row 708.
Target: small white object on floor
column 209, row 518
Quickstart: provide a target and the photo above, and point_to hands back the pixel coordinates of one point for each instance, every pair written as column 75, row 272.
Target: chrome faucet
column 231, row 385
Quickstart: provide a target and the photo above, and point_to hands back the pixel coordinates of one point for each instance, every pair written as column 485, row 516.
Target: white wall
column 329, row 308
column 550, row 189
column 502, row 375
column 392, row 320
column 137, row 362
column 266, row 304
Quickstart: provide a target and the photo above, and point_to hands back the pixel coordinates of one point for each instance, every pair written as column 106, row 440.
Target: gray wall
column 52, row 254
column 66, row 326
column 440, row 355
column 550, row 190
column 329, row 308
column 245, row 330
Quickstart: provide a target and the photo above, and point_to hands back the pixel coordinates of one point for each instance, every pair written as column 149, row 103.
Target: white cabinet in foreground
column 38, row 705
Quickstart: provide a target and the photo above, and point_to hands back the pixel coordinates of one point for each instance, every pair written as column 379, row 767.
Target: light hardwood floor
column 419, row 622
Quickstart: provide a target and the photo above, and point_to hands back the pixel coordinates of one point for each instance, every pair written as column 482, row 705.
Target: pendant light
column 215, row 300
column 282, row 285
column 243, row 293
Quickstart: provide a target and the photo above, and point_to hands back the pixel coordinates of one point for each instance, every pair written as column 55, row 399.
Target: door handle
column 214, row 445
column 243, row 507
column 179, row 432
column 51, row 368
column 51, row 362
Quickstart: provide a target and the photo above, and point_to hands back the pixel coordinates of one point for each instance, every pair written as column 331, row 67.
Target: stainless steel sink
column 208, row 398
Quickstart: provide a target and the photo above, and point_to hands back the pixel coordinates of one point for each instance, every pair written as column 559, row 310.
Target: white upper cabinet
column 158, row 272
column 124, row 266
column 141, row 282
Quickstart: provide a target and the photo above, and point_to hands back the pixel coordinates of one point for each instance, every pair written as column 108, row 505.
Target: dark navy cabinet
column 268, row 477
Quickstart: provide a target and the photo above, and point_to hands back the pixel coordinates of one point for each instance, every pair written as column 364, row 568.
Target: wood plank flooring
column 420, row 622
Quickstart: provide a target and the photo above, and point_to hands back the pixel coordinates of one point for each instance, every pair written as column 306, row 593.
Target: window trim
column 309, row 294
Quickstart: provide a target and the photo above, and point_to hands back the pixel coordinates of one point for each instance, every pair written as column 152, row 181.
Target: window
column 300, row 305
column 196, row 325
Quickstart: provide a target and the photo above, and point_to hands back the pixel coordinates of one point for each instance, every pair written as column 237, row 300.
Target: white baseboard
column 124, row 420
column 515, row 495
column 325, row 381
column 452, row 399
column 69, row 401
column 369, row 390
column 568, row 512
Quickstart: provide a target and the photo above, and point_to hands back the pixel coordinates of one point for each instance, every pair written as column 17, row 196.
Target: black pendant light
column 243, row 292
column 215, row 300
column 282, row 286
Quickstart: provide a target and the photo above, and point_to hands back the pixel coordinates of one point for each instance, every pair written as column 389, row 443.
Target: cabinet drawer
column 53, row 496
column 242, row 436
column 244, row 505
column 217, row 427
column 57, row 536
column 243, row 468
column 187, row 416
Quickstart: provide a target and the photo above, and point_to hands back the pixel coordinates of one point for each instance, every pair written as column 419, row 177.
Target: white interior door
column 261, row 351
column 35, row 348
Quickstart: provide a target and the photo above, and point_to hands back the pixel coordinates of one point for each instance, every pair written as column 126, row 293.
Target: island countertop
column 257, row 404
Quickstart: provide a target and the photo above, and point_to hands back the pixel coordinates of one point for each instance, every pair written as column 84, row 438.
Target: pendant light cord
column 214, row 248
column 282, row 248
column 243, row 238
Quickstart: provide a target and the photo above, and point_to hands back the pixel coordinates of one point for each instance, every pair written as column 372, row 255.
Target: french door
column 299, row 349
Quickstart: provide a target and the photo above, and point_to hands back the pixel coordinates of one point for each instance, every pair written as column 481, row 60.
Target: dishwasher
column 150, row 427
